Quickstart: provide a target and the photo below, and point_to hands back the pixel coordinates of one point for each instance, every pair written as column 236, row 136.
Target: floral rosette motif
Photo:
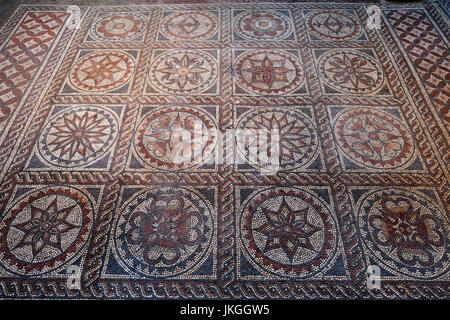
column 164, row 232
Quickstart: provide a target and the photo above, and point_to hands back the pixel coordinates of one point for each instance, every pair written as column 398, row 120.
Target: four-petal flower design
column 351, row 70
column 374, row 137
column 164, row 229
column 407, row 232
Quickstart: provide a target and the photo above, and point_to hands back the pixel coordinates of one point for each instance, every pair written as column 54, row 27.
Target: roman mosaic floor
column 92, row 204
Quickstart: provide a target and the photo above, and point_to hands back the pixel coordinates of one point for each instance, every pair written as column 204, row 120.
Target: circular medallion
column 405, row 232
column 333, row 25
column 268, row 72
column 373, row 138
column 189, row 25
column 44, row 230
column 119, row 27
column 296, row 143
column 164, row 232
column 78, row 136
column 350, row 71
column 184, row 72
column 174, row 138
column 288, row 231
column 262, row 25
column 102, row 71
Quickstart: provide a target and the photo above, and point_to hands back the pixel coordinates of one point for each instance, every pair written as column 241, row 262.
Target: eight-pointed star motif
column 102, row 70
column 45, row 227
column 268, row 71
column 188, row 69
column 287, row 229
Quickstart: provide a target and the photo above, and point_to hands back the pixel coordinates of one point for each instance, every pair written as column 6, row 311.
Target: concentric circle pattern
column 210, row 150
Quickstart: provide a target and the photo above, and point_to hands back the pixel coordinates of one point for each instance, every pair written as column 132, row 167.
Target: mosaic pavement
column 86, row 117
